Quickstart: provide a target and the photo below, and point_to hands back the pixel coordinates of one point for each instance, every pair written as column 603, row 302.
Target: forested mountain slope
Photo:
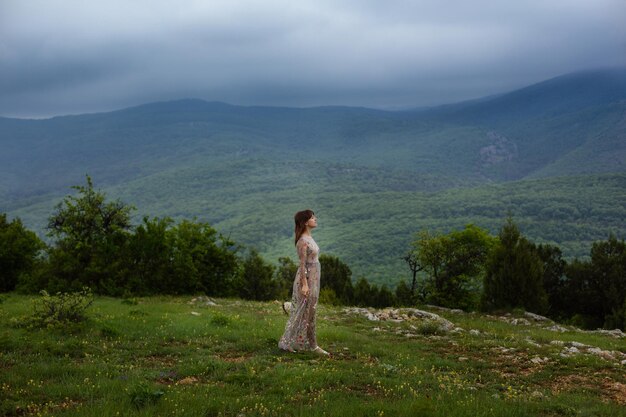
column 374, row 176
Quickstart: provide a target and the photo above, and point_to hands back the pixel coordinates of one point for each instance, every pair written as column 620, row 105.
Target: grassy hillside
column 170, row 356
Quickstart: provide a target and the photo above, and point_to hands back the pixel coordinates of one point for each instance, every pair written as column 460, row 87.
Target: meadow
column 173, row 356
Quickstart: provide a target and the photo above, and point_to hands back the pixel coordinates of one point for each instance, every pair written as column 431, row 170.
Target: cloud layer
column 72, row 56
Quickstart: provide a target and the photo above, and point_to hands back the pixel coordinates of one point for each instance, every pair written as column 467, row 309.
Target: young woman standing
column 300, row 329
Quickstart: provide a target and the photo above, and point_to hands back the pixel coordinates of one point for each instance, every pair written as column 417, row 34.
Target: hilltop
column 183, row 356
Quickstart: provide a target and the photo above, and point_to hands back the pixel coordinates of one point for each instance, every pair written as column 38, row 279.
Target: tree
column 285, row 275
column 514, row 275
column 204, row 260
column 364, row 294
column 608, row 269
column 90, row 233
column 383, row 297
column 454, row 263
column 19, row 251
column 404, row 295
column 553, row 278
column 337, row 276
column 257, row 281
column 412, row 260
column 149, row 254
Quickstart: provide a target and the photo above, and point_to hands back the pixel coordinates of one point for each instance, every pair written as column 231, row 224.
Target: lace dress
column 300, row 329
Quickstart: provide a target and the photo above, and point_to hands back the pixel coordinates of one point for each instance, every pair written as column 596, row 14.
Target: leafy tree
column 514, row 274
column 337, row 276
column 285, row 275
column 149, row 255
column 90, row 233
column 608, row 264
column 364, row 294
column 404, row 296
column 257, row 278
column 454, row 264
column 384, row 297
column 203, row 260
column 553, row 278
column 19, row 250
column 582, row 299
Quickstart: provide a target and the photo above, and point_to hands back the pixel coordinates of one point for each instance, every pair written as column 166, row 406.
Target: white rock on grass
column 557, row 328
column 617, row 333
column 536, row 317
column 400, row 315
column 532, row 342
column 604, row 354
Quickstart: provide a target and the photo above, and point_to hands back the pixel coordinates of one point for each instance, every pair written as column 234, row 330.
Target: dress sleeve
column 303, row 248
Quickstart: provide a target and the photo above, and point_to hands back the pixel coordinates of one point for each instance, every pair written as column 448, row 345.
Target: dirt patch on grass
column 234, row 357
column 615, row 391
column 159, row 360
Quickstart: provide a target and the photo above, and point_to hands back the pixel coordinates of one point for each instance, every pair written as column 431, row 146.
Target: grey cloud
column 73, row 56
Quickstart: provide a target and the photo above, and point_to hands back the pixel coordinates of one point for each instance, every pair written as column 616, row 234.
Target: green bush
column 61, row 308
column 143, row 395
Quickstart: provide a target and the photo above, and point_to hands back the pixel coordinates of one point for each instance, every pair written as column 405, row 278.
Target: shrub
column 429, row 328
column 61, row 308
column 143, row 395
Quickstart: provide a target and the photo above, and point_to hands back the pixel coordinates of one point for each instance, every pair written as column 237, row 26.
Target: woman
column 300, row 329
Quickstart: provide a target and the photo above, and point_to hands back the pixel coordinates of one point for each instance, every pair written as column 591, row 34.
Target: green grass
column 156, row 358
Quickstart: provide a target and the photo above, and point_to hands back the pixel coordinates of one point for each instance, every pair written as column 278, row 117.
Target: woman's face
column 312, row 222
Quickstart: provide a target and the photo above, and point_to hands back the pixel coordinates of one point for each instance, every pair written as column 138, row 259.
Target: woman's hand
column 304, row 290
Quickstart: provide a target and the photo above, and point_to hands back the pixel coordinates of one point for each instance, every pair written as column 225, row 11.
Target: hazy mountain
column 238, row 167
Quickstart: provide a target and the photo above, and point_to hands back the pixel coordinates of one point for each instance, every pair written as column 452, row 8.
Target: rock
column 617, row 333
column 536, row 394
column 537, row 360
column 463, row 359
column 475, row 332
column 623, row 362
column 203, row 299
column 532, row 342
column 372, row 317
column 568, row 351
column 376, row 329
column 579, row 345
column 195, row 313
column 398, row 315
column 557, row 328
column 557, row 342
column 536, row 317
column 287, row 307
column 604, row 354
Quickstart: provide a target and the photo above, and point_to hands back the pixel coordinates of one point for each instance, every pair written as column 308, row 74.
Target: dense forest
column 551, row 155
column 95, row 246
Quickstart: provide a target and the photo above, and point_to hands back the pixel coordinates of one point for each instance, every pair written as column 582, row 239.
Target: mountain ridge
column 220, row 162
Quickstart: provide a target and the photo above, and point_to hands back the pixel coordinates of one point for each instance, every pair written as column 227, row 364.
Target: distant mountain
column 222, row 162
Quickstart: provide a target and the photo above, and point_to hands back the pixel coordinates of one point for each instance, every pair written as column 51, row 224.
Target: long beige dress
column 300, row 329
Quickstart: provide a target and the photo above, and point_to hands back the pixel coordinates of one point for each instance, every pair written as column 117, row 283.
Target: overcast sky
column 77, row 56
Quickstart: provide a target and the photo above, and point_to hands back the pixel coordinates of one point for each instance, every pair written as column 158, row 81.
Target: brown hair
column 300, row 219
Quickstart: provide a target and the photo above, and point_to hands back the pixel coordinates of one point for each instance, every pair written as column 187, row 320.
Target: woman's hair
column 300, row 219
